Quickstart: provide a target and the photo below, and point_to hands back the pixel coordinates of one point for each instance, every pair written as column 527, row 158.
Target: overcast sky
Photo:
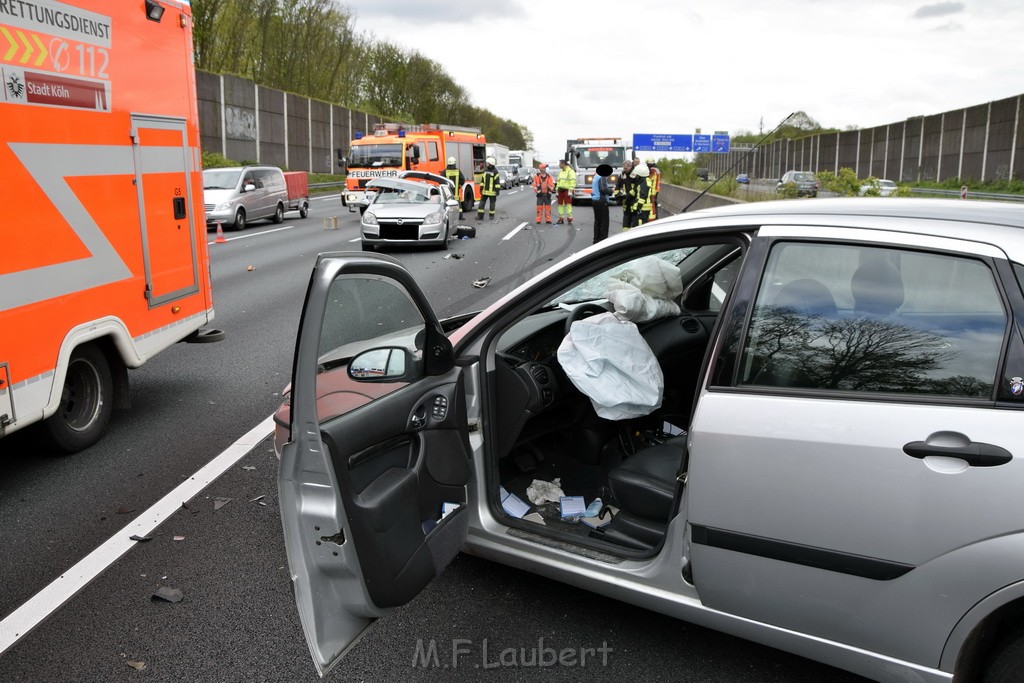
column 569, row 68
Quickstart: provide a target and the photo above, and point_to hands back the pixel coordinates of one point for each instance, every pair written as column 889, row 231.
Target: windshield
column 220, row 179
column 595, row 156
column 375, row 156
column 803, row 177
column 595, row 287
column 388, row 195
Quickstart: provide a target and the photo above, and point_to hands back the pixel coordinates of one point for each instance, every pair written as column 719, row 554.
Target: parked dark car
column 804, row 182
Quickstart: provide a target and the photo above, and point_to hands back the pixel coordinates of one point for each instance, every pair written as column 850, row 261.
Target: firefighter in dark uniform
column 453, row 174
column 490, row 186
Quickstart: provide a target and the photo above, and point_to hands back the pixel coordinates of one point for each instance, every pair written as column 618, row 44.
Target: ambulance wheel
column 304, row 210
column 86, row 402
column 279, row 213
column 240, row 220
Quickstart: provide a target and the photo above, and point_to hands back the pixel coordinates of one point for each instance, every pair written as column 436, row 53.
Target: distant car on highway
column 821, row 404
column 509, row 179
column 414, row 209
column 702, row 174
column 743, row 179
column 875, row 187
column 804, row 183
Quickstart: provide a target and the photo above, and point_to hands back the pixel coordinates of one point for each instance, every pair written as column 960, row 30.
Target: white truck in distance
column 586, row 154
column 499, row 152
column 521, row 157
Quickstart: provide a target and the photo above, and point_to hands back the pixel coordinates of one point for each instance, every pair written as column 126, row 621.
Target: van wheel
column 240, row 220
column 279, row 213
column 304, row 210
column 1006, row 666
column 86, row 402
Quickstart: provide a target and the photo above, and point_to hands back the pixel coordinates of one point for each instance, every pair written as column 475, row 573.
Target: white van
column 234, row 196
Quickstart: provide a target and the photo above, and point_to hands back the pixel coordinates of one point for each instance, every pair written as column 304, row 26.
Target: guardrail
column 970, row 194
column 320, row 186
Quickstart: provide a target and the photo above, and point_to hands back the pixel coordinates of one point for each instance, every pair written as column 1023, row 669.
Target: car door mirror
column 249, row 187
column 452, row 203
column 384, row 364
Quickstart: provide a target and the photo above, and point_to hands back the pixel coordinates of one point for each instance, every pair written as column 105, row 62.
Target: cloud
column 949, row 27
column 939, row 9
column 452, row 12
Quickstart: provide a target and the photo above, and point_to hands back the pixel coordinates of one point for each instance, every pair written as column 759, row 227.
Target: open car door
column 372, row 480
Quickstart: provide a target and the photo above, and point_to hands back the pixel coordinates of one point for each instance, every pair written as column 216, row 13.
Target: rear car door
column 856, row 461
column 372, row 479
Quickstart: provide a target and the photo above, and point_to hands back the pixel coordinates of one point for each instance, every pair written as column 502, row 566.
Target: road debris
column 168, row 594
column 140, row 539
column 179, row 538
column 257, row 498
column 481, row 283
column 248, row 468
column 218, row 503
column 138, row 666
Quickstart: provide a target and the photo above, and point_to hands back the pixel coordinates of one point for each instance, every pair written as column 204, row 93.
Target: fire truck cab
column 395, row 147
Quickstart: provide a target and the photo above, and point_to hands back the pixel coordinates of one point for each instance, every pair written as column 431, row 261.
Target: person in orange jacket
column 543, row 185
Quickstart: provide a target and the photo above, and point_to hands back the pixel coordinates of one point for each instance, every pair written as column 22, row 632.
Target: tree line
column 313, row 48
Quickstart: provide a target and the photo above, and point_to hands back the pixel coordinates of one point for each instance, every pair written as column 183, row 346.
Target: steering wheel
column 583, row 311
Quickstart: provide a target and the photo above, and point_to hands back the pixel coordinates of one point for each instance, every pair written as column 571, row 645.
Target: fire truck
column 586, row 154
column 105, row 253
column 394, row 147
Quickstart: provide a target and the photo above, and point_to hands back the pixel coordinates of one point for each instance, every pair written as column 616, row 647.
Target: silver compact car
column 803, row 420
column 415, row 209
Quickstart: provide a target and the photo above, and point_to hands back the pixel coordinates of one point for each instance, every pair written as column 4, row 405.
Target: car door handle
column 975, row 454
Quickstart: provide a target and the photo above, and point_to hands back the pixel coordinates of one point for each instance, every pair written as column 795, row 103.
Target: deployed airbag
column 644, row 291
column 610, row 362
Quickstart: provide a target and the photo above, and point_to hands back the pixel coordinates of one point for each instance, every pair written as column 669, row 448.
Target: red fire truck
column 395, row 147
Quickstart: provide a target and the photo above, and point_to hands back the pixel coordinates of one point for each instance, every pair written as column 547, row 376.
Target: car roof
column 1000, row 223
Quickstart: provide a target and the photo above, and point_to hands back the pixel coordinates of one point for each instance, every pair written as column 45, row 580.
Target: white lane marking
column 52, row 597
column 514, row 231
column 254, row 234
column 358, row 239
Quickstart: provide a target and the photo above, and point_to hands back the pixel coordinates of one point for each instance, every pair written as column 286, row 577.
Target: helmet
column 491, row 161
column 451, row 161
column 649, row 161
column 641, row 170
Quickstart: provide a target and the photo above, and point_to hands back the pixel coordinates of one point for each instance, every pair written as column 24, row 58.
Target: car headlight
column 223, row 206
column 369, row 219
column 433, row 218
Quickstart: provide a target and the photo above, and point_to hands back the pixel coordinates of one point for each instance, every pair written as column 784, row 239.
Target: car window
column 869, row 319
column 366, row 312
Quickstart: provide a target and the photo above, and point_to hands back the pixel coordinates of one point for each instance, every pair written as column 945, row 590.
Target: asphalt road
column 237, row 619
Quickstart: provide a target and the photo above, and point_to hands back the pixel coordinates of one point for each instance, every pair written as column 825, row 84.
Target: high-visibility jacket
column 566, row 179
column 656, row 176
column 490, row 184
column 644, row 197
column 455, row 175
column 543, row 182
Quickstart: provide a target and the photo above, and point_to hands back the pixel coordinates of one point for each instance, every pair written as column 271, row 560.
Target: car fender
column 1003, row 552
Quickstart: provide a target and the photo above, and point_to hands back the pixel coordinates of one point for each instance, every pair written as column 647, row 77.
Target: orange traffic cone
column 220, row 235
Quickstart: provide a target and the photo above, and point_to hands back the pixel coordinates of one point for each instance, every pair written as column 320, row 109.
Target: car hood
column 217, row 196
